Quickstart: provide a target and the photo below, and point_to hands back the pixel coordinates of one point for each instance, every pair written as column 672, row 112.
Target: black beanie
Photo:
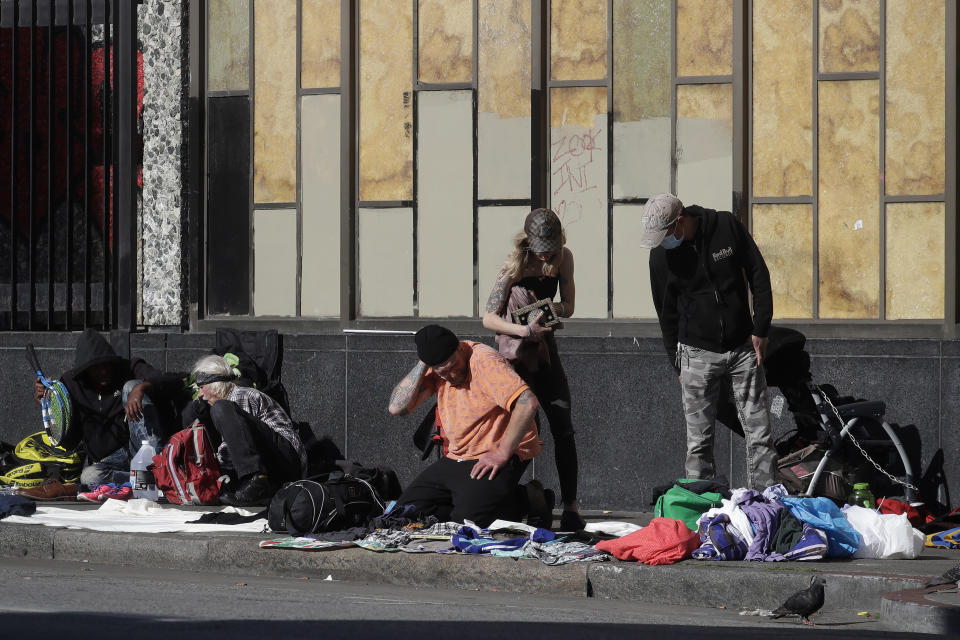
column 435, row 344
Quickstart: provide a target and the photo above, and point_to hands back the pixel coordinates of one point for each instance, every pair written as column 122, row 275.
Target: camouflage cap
column 660, row 212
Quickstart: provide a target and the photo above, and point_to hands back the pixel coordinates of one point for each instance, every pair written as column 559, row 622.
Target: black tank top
column 545, row 287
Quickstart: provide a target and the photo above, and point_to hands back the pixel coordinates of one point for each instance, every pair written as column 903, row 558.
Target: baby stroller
column 837, row 440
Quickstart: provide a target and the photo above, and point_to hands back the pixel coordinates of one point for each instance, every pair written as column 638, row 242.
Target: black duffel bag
column 348, row 497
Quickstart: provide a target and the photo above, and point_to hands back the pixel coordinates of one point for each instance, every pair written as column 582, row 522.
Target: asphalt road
column 39, row 598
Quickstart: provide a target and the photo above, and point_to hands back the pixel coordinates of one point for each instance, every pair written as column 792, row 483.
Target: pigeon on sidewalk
column 950, row 575
column 803, row 603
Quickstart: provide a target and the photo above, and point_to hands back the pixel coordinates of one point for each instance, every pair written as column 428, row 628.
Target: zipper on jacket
column 703, row 253
column 716, row 295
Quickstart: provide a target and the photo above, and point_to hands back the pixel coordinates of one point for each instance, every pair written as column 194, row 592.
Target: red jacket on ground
column 663, row 541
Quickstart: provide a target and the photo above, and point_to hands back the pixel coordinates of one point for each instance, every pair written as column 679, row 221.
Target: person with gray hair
column 260, row 439
column 701, row 264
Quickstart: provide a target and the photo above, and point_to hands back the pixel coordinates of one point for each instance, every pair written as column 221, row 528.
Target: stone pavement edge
column 890, row 589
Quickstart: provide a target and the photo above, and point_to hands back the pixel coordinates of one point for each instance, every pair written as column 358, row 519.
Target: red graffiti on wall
column 571, row 158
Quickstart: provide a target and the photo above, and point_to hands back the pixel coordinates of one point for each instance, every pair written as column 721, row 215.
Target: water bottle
column 862, row 496
column 144, row 486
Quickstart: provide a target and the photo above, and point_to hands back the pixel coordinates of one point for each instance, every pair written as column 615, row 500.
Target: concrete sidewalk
column 888, row 589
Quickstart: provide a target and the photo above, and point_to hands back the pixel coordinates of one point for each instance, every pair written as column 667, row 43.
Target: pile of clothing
column 771, row 526
column 774, row 527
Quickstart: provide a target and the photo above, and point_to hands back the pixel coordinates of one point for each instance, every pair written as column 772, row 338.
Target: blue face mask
column 671, row 242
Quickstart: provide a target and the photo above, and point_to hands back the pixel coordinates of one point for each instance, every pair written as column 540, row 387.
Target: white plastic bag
column 887, row 536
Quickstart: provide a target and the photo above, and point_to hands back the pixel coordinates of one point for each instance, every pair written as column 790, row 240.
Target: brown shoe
column 51, row 490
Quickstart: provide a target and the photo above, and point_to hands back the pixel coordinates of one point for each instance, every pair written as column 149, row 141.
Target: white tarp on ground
column 136, row 516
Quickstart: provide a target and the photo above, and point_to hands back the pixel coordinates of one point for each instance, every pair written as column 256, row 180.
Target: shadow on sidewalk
column 118, row 626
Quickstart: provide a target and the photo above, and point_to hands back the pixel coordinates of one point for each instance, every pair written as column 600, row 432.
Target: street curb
column 239, row 554
column 727, row 585
column 740, row 585
column 911, row 610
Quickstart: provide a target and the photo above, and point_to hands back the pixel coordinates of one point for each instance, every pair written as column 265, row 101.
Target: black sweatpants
column 254, row 446
column 446, row 490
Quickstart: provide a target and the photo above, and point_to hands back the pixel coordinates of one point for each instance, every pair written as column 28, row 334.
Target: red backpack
column 186, row 469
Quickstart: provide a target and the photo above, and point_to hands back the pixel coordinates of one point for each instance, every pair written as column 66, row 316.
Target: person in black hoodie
column 700, row 266
column 116, row 404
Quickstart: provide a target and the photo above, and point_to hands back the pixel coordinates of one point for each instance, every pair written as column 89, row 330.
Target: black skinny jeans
column 550, row 386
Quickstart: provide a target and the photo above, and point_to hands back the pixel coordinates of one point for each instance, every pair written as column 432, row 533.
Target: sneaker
column 97, row 493
column 571, row 521
column 255, row 491
column 123, row 492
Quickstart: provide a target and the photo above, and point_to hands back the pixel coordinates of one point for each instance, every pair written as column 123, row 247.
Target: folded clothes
column 439, row 530
column 557, row 553
column 384, row 540
column 720, row 540
column 470, row 540
column 812, row 545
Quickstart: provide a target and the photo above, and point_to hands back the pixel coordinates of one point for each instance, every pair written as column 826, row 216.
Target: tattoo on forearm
column 498, row 296
column 407, row 389
column 525, row 397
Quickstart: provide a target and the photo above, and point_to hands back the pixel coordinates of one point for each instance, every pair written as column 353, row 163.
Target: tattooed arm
column 521, row 416
column 410, row 392
column 497, row 303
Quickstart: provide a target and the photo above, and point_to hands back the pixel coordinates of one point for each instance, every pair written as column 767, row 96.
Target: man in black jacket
column 700, row 265
column 116, row 403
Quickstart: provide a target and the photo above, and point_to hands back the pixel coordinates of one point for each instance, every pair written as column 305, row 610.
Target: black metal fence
column 65, row 156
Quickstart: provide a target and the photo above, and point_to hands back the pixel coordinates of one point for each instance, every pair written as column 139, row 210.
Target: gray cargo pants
column 702, row 375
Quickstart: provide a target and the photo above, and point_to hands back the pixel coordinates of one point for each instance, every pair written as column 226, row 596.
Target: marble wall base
column 626, row 400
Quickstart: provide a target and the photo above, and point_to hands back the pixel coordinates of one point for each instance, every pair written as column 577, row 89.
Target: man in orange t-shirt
column 489, row 435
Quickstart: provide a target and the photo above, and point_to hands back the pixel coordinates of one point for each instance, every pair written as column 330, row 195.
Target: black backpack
column 348, row 497
column 260, row 355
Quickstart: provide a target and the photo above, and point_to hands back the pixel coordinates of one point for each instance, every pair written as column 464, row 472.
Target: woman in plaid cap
column 536, row 269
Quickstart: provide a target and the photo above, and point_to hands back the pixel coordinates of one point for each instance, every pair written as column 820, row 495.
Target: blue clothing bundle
column 821, row 513
column 720, row 540
column 469, row 540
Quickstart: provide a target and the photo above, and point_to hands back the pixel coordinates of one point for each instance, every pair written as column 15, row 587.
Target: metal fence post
column 125, row 70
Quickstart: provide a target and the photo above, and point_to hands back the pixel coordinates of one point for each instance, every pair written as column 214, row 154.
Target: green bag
column 680, row 503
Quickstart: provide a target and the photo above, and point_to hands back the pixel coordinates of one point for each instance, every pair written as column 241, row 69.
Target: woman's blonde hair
column 517, row 260
column 216, row 366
